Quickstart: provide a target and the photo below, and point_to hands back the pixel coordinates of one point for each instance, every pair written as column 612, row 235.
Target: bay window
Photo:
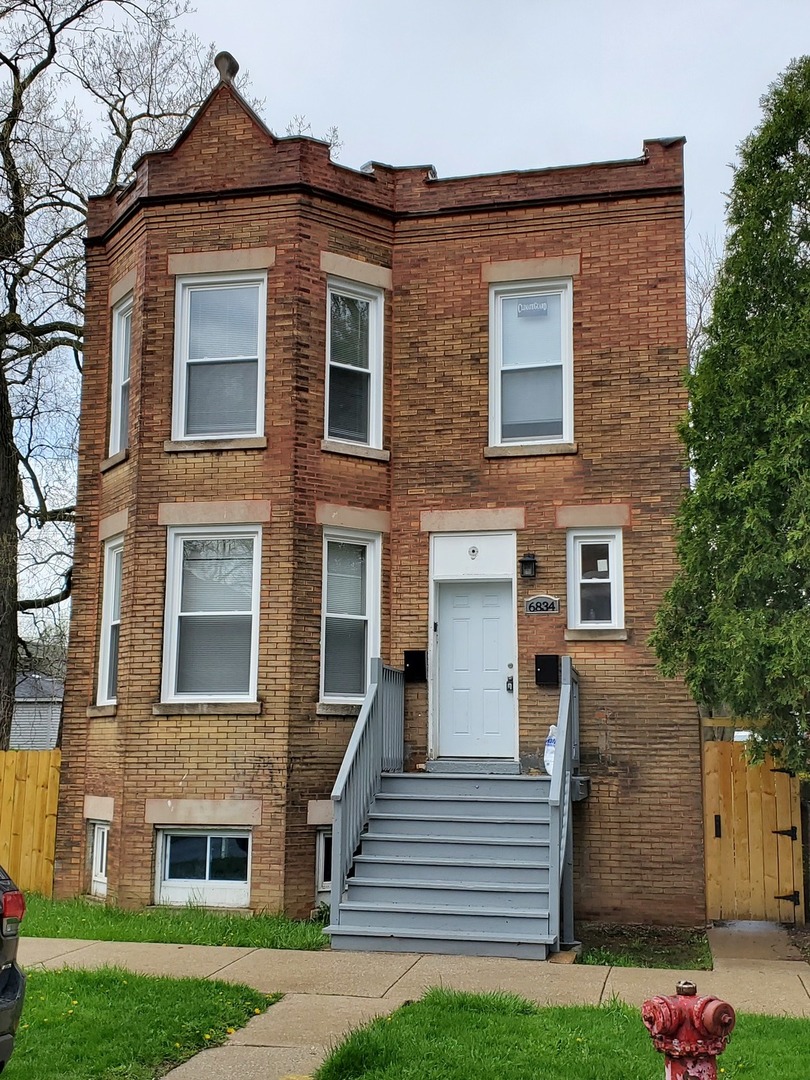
column 211, row 632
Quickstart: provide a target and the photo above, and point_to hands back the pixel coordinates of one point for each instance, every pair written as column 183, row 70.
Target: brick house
column 326, row 413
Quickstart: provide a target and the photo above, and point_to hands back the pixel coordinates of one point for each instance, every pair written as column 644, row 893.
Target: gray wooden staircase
column 473, row 863
column 452, row 864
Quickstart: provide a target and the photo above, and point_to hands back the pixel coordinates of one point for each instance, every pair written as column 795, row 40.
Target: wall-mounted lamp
column 528, row 565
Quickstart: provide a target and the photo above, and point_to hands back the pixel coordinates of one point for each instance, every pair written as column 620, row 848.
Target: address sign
column 542, row 605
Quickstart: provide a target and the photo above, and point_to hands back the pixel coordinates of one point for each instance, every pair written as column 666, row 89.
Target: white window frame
column 323, row 866
column 99, row 852
column 376, row 301
column 372, row 543
column 613, row 538
column 203, row 893
column 113, row 556
column 184, row 288
column 497, row 293
column 174, row 584
column 119, row 435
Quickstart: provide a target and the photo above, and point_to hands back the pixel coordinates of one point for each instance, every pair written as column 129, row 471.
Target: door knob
column 510, row 684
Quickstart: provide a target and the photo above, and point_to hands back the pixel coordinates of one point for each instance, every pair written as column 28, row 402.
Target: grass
column 182, row 926
column 113, row 1025
column 644, row 946
column 453, row 1036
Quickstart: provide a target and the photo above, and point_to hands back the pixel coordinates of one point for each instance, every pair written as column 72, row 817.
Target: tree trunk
column 8, row 564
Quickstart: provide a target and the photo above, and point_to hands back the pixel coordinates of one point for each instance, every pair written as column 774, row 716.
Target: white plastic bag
column 551, row 747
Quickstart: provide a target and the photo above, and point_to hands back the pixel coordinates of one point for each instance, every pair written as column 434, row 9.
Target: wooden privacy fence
column 752, row 836
column 29, row 795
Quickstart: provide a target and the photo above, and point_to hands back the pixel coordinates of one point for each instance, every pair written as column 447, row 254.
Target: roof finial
column 227, row 67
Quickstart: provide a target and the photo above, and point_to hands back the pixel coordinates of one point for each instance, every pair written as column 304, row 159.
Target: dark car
column 12, row 980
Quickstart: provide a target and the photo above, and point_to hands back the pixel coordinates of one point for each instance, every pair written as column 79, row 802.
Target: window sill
column 206, row 708
column 530, row 450
column 115, row 459
column 101, row 710
column 337, row 708
column 250, row 442
column 371, row 453
column 596, row 635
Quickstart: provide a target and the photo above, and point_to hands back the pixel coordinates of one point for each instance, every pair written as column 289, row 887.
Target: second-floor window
column 219, row 357
column 354, row 364
column 119, row 396
column 531, row 376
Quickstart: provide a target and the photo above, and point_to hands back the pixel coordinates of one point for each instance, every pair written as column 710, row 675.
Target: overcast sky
column 488, row 85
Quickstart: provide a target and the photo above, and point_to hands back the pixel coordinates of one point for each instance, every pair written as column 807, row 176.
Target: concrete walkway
column 329, row 993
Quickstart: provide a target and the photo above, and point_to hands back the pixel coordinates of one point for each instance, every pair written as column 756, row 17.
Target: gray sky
column 481, row 86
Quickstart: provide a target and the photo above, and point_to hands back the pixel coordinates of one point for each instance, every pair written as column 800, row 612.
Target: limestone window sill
column 596, row 635
column 101, row 710
column 116, row 459
column 206, row 708
column 184, row 446
column 530, row 450
column 371, row 453
column 337, row 708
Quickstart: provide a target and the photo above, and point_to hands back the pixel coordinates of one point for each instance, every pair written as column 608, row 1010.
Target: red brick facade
column 229, row 188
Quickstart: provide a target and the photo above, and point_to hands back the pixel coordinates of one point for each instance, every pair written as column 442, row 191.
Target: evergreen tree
column 736, row 621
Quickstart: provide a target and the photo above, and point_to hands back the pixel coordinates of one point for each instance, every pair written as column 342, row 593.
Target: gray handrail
column 566, row 758
column 376, row 746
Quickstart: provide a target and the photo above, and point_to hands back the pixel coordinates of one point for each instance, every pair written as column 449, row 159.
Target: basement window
column 211, row 869
column 323, row 865
column 99, row 839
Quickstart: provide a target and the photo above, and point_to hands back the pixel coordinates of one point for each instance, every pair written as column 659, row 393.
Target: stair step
column 446, row 826
column 432, row 784
column 460, row 943
column 474, row 896
column 457, row 847
column 517, row 807
column 453, row 871
column 407, row 918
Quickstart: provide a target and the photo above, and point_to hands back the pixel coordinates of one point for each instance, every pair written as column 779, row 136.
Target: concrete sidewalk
column 329, row 993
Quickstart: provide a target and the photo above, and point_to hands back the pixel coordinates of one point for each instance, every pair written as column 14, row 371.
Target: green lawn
column 113, row 1025
column 182, row 926
column 454, row 1036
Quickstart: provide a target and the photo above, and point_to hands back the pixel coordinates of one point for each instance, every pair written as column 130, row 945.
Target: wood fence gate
column 753, row 838
column 29, row 796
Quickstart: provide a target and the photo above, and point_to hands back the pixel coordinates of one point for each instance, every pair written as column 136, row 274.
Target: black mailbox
column 415, row 665
column 547, row 670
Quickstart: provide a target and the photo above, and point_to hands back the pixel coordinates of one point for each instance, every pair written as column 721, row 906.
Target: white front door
column 476, row 670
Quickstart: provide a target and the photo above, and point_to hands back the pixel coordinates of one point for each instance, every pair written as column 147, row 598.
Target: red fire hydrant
column 690, row 1030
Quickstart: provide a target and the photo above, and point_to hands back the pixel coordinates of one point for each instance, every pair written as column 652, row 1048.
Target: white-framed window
column 354, row 363
column 212, row 614
column 219, row 356
column 595, row 579
column 99, row 839
column 531, row 396
column 206, row 867
column 350, row 613
column 323, row 863
column 107, row 693
column 119, row 388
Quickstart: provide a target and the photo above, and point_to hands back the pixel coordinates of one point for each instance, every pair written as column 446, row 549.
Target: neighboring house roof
column 37, row 710
column 39, row 688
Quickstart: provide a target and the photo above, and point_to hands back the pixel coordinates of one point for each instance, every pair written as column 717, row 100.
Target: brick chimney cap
column 227, row 66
